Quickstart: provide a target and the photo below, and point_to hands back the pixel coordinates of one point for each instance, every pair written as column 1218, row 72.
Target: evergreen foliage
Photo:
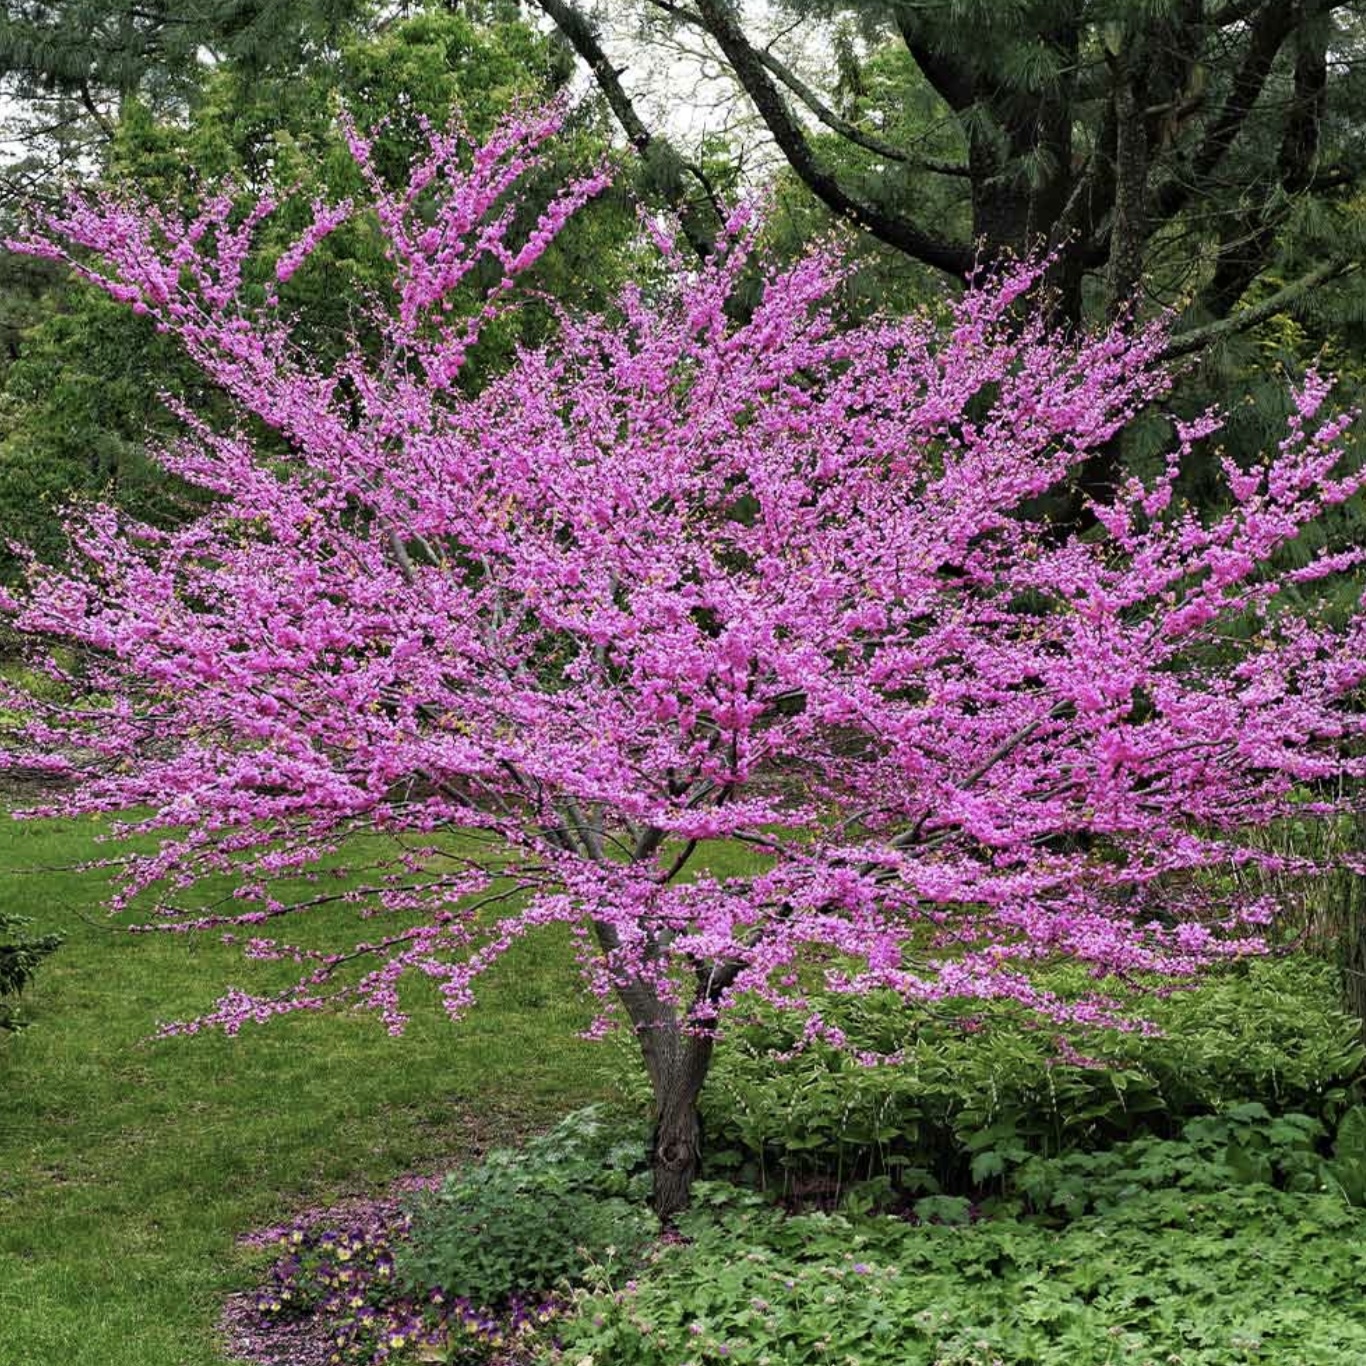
column 81, row 394
column 20, row 953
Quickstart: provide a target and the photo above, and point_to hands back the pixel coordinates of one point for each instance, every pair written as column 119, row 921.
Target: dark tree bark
column 1248, row 240
column 1131, row 177
column 1020, row 155
column 1187, row 86
column 677, row 1063
column 677, row 1057
column 676, row 1047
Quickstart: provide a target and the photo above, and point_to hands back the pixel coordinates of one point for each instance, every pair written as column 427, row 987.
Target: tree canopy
column 676, row 577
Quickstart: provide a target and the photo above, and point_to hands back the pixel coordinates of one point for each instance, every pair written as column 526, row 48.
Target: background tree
column 80, row 398
column 670, row 584
column 1181, row 152
column 77, row 62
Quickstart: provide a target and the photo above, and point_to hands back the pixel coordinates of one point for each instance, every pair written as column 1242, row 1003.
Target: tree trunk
column 677, row 1058
column 1352, row 965
column 1128, row 231
column 677, row 1153
column 678, row 1064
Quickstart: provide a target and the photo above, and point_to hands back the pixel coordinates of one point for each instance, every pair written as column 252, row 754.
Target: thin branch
column 678, row 864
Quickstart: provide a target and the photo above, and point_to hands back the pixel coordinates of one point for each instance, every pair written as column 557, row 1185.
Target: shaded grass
column 128, row 1167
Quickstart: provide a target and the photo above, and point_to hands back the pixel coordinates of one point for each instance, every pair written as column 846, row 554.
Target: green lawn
column 128, row 1167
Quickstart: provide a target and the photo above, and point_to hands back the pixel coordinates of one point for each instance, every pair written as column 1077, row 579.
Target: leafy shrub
column 1243, row 1146
column 525, row 1220
column 1252, row 1274
column 1268, row 1032
column 20, row 954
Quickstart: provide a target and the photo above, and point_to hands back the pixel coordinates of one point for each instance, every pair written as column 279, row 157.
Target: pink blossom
column 681, row 578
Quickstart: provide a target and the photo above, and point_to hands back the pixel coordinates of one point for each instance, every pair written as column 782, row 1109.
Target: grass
column 128, row 1168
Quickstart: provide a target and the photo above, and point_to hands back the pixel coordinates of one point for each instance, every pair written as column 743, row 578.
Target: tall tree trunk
column 1128, row 231
column 1352, row 966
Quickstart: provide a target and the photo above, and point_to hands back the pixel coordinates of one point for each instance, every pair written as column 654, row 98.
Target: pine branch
column 953, row 84
column 1197, row 339
column 93, row 109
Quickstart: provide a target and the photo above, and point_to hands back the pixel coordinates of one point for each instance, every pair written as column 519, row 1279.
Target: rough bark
column 676, row 1059
column 677, row 1064
column 1128, row 232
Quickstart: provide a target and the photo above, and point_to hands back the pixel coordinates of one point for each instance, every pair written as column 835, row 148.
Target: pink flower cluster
column 687, row 574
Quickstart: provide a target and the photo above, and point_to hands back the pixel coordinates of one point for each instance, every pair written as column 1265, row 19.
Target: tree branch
column 95, row 112
column 892, row 229
column 1128, row 230
column 850, row 132
column 1248, row 240
column 953, row 84
column 578, row 31
column 1272, row 26
column 1200, row 337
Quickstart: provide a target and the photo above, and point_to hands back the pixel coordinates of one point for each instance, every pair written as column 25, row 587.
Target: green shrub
column 1245, row 1145
column 523, row 1221
column 1251, row 1274
column 1266, row 1031
column 20, row 954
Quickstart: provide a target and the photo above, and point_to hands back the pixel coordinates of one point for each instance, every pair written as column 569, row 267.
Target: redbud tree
column 688, row 574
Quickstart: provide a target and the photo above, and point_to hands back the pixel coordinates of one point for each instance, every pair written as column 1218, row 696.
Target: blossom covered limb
column 678, row 580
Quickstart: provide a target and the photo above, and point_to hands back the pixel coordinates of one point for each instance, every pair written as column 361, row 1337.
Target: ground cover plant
column 467, row 1269
column 1224, row 1278
column 1236, row 1241
column 694, row 573
column 959, row 1100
